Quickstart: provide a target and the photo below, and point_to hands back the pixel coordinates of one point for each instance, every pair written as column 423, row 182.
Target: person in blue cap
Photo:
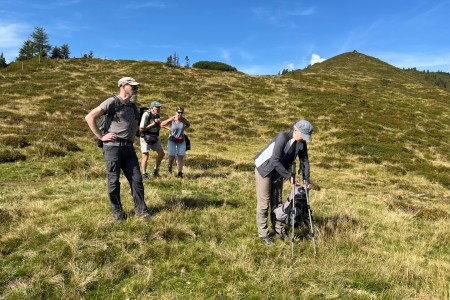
column 272, row 165
column 150, row 126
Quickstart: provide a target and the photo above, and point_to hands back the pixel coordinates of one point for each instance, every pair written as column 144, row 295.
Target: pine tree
column 27, row 51
column 169, row 61
column 65, row 52
column 56, row 52
column 3, row 63
column 188, row 63
column 40, row 41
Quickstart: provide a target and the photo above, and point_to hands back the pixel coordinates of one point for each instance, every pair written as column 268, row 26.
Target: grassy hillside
column 380, row 152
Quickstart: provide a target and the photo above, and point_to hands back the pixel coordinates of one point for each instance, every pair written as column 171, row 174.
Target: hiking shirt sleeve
column 106, row 105
column 277, row 155
column 304, row 161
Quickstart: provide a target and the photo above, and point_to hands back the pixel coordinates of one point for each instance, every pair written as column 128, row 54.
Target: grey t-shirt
column 124, row 121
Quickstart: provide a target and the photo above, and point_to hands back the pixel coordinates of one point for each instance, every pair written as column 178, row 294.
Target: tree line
column 37, row 45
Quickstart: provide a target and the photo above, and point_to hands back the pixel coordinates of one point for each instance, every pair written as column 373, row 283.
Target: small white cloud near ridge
column 315, row 58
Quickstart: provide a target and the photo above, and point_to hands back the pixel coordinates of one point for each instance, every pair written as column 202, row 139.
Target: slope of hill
column 380, row 151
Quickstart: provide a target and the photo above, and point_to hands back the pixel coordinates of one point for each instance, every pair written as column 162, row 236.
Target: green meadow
column 380, row 154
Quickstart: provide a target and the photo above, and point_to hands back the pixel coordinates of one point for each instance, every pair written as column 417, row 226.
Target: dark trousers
column 124, row 158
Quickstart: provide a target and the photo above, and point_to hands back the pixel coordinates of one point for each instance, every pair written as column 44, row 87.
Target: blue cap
column 305, row 128
column 155, row 104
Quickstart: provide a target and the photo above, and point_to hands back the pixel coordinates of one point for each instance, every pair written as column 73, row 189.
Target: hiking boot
column 155, row 173
column 282, row 236
column 145, row 216
column 119, row 217
column 145, row 176
column 180, row 175
column 169, row 169
column 267, row 241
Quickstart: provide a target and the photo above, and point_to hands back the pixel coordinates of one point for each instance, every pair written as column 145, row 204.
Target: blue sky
column 257, row 37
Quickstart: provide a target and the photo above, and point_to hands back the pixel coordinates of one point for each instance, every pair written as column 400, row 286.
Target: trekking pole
column 294, row 210
column 311, row 228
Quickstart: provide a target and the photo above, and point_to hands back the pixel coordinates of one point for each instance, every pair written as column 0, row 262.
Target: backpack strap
column 110, row 114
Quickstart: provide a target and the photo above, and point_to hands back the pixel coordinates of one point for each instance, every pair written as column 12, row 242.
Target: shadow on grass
column 327, row 227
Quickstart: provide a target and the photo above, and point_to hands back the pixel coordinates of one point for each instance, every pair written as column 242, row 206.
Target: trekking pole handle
column 293, row 166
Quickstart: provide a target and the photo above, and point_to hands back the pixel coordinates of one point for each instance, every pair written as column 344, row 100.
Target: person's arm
column 304, row 164
column 144, row 121
column 167, row 122
column 186, row 123
column 91, row 119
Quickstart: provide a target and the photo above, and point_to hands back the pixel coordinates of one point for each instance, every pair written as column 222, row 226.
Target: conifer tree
column 56, row 52
column 27, row 51
column 40, row 41
column 65, row 52
column 3, row 63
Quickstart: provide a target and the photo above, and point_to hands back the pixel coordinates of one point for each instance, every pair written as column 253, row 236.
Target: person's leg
column 144, row 159
column 160, row 155
column 159, row 158
column 171, row 160
column 113, row 165
column 171, row 153
column 181, row 152
column 130, row 167
column 276, row 200
column 263, row 193
column 144, row 162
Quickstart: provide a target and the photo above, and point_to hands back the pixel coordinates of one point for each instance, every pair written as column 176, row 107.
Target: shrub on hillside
column 14, row 141
column 7, row 155
column 214, row 65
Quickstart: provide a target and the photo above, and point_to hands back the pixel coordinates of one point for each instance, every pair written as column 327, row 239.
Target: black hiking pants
column 124, row 158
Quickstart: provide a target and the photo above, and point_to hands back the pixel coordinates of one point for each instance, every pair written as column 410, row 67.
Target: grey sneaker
column 267, row 241
column 145, row 176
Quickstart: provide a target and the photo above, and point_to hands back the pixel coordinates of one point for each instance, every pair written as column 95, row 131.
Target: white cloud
column 12, row 36
column 225, row 54
column 290, row 66
column 315, row 58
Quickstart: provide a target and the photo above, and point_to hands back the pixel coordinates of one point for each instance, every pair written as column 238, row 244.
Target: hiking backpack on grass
column 283, row 212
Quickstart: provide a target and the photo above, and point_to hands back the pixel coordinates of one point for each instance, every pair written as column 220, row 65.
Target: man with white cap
column 118, row 150
column 272, row 165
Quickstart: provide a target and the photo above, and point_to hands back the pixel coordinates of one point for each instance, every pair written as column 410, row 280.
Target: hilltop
column 380, row 152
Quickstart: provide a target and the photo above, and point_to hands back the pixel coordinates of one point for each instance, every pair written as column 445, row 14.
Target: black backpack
column 283, row 212
column 105, row 120
column 142, row 110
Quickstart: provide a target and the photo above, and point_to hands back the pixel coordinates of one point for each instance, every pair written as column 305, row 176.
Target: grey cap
column 305, row 128
column 127, row 80
column 155, row 104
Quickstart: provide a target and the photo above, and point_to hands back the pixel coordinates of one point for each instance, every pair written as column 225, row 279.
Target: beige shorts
column 145, row 148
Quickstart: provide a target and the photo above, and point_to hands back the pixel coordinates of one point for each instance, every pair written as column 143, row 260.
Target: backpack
column 105, row 120
column 283, row 212
column 142, row 110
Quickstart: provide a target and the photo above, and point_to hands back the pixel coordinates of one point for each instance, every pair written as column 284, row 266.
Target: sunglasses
column 180, row 112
